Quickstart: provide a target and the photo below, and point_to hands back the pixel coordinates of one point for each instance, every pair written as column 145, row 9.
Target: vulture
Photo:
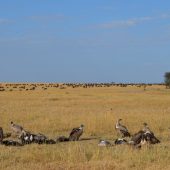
column 39, row 138
column 1, row 135
column 138, row 138
column 149, row 135
column 146, row 128
column 144, row 136
column 120, row 141
column 76, row 133
column 27, row 138
column 16, row 128
column 50, row 141
column 104, row 143
column 62, row 139
column 11, row 143
column 122, row 129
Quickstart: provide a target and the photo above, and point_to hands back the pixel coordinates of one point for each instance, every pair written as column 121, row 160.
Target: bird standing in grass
column 149, row 135
column 122, row 130
column 144, row 136
column 17, row 129
column 76, row 133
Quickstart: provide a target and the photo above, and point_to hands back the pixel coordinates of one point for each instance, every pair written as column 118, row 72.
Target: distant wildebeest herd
column 144, row 136
column 45, row 86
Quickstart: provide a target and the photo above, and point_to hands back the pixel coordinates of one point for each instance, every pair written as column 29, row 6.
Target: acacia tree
column 167, row 79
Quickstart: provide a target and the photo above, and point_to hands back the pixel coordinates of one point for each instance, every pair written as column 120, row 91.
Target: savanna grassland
column 55, row 111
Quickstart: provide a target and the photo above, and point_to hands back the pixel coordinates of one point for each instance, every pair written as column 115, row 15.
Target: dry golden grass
column 56, row 111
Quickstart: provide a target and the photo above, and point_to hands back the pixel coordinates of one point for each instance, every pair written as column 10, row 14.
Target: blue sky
column 84, row 40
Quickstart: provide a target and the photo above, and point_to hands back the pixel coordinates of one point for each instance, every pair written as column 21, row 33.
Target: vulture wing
column 151, row 138
column 137, row 137
column 124, row 130
column 74, row 131
column 1, row 135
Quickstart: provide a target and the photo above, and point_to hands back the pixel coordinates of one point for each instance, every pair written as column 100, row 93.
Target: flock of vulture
column 25, row 137
column 144, row 136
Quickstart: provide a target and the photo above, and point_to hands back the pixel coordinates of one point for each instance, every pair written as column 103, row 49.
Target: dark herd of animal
column 32, row 87
column 144, row 136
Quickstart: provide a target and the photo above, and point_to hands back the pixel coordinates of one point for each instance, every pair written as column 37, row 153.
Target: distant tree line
column 167, row 79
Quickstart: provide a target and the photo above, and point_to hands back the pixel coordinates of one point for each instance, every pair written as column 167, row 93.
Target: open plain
column 55, row 109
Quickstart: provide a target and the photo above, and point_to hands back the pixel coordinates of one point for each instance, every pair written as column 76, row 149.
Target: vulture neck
column 81, row 128
column 118, row 123
column 146, row 128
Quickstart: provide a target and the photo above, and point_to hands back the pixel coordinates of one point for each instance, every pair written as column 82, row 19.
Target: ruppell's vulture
column 149, row 135
column 144, row 136
column 122, row 130
column 76, row 133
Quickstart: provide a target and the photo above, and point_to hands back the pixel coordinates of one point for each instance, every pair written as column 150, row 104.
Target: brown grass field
column 56, row 111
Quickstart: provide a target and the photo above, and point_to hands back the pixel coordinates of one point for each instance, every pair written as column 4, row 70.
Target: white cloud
column 47, row 17
column 114, row 24
column 105, row 8
column 165, row 16
column 4, row 21
column 131, row 22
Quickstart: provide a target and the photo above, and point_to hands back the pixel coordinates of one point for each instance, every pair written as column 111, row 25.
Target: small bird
column 16, row 128
column 122, row 129
column 1, row 135
column 76, row 133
